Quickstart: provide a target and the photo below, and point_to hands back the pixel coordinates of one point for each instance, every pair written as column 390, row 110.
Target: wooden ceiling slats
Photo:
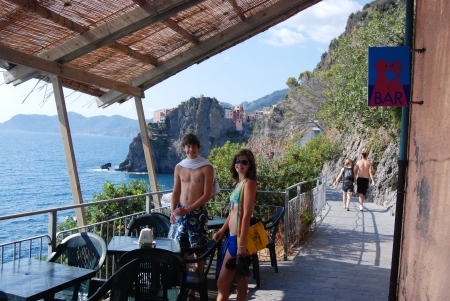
column 134, row 42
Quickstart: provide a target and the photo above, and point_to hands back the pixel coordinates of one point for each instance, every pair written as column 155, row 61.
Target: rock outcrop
column 202, row 116
column 385, row 168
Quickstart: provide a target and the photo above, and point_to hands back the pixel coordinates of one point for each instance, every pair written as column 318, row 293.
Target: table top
column 122, row 244
column 216, row 222
column 31, row 279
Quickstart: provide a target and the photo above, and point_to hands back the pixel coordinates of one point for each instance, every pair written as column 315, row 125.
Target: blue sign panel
column 389, row 76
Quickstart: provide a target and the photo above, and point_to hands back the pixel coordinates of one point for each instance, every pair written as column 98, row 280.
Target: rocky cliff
column 385, row 167
column 293, row 116
column 202, row 116
column 290, row 119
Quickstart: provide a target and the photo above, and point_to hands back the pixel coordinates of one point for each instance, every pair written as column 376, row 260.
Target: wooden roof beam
column 238, row 10
column 104, row 34
column 140, row 2
column 68, row 72
column 253, row 25
column 133, row 53
column 174, row 26
column 34, row 6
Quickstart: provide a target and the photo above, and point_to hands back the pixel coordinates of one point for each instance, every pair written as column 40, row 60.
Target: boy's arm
column 371, row 174
column 175, row 193
column 355, row 172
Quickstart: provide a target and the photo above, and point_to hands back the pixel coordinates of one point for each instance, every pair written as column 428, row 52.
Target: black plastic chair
column 196, row 281
column 154, row 221
column 85, row 250
column 117, row 287
column 158, row 272
column 271, row 226
column 164, row 219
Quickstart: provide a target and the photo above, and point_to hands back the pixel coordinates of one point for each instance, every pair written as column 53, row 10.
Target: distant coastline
column 117, row 126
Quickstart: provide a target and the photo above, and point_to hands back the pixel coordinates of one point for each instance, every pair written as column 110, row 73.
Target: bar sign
column 389, row 77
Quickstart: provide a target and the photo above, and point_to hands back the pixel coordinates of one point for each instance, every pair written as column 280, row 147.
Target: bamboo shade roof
column 116, row 49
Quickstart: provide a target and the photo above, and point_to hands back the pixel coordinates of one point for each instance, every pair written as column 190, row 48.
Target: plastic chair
column 160, row 274
column 117, row 287
column 196, row 281
column 165, row 219
column 85, row 250
column 271, row 226
column 155, row 221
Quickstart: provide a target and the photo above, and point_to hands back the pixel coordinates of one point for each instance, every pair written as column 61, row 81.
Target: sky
column 245, row 72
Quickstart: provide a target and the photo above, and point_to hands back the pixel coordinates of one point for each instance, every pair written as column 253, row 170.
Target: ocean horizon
column 34, row 176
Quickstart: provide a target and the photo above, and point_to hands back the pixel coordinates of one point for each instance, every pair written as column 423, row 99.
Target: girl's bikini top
column 235, row 196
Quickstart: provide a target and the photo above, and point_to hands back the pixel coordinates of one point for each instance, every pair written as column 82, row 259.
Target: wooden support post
column 147, row 151
column 68, row 149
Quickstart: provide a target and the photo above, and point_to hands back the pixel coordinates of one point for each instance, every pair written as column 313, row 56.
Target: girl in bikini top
column 235, row 196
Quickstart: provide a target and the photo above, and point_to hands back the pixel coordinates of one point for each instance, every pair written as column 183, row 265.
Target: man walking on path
column 363, row 170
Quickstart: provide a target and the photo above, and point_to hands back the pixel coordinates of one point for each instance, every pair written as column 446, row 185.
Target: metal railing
column 307, row 195
column 302, row 209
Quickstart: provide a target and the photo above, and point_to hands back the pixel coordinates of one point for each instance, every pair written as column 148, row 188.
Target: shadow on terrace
column 302, row 199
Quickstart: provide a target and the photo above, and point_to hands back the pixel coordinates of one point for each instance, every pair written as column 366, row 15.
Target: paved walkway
column 347, row 257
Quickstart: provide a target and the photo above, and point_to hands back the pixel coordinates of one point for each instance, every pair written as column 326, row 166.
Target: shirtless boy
column 194, row 181
column 362, row 171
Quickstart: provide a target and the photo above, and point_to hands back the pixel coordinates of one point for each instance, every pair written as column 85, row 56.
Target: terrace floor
column 346, row 257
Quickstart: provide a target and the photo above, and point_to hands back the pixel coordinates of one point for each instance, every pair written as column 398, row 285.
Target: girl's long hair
column 251, row 172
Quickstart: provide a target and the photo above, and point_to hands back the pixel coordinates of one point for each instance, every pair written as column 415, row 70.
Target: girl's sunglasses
column 244, row 162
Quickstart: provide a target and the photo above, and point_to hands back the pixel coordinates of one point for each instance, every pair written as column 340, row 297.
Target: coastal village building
column 228, row 113
column 238, row 116
column 250, row 117
column 267, row 110
column 159, row 116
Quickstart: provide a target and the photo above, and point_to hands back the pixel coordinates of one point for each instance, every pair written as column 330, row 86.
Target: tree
column 114, row 209
column 346, row 107
column 294, row 165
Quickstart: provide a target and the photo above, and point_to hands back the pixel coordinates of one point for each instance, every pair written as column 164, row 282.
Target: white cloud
column 320, row 23
column 285, row 37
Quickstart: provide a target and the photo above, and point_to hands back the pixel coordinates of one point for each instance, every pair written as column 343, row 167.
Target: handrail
column 316, row 204
column 298, row 202
column 49, row 210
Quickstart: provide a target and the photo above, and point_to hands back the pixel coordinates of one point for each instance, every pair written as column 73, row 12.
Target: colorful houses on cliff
column 238, row 114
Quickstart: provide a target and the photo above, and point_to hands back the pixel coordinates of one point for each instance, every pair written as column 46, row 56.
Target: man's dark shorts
column 191, row 230
column 363, row 185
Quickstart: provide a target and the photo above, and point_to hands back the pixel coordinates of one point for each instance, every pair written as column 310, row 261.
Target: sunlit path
column 347, row 257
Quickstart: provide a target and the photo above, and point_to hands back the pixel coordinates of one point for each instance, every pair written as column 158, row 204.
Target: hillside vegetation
column 335, row 94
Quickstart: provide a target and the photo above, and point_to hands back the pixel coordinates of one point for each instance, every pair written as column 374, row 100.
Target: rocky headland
column 203, row 116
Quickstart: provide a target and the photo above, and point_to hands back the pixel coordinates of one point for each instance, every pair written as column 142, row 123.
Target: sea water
column 34, row 176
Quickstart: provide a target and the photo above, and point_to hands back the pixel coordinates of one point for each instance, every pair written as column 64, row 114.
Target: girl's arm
column 219, row 234
column 249, row 201
column 339, row 176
